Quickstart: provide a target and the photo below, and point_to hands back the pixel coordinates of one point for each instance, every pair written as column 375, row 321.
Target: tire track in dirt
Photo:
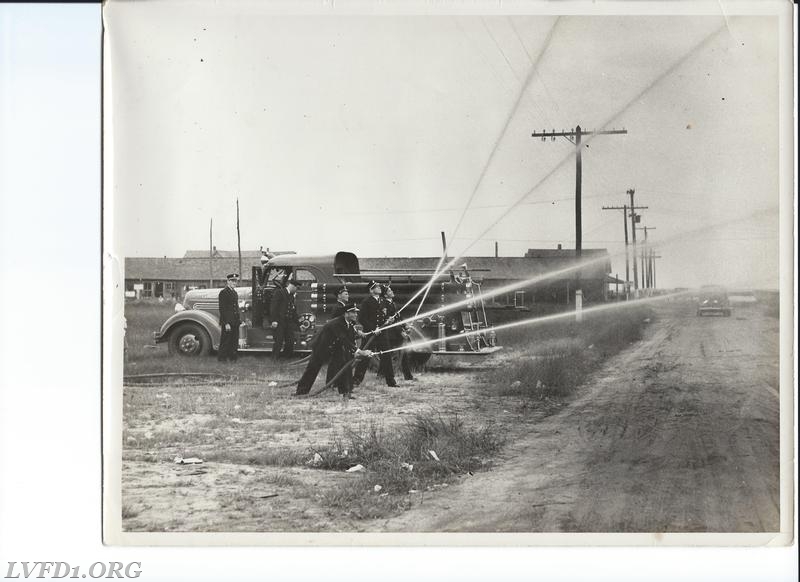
column 676, row 434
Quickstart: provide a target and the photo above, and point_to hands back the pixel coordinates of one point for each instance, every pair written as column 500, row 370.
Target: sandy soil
column 234, row 428
column 678, row 434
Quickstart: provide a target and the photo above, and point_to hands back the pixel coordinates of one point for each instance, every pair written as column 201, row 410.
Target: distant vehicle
column 195, row 330
column 713, row 300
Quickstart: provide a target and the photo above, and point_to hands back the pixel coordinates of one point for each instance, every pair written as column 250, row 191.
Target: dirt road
column 677, row 434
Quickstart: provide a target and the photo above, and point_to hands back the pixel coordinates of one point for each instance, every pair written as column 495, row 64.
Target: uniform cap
column 342, row 289
column 351, row 307
column 231, row 276
column 372, row 285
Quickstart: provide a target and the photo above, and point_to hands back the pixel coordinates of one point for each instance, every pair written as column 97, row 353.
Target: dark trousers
column 344, row 383
column 385, row 368
column 284, row 340
column 405, row 365
column 310, row 375
column 229, row 344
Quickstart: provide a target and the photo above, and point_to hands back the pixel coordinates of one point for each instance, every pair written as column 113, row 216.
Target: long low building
column 550, row 275
column 169, row 277
column 545, row 275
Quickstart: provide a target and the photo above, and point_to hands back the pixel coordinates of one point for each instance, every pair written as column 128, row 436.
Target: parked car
column 713, row 300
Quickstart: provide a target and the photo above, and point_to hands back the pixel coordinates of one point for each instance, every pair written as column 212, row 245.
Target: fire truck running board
column 258, row 350
column 481, row 352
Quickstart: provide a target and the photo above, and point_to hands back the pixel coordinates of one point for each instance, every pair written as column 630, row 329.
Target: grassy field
column 277, row 463
column 144, row 356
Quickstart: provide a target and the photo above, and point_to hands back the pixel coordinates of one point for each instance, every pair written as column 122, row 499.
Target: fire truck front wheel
column 189, row 339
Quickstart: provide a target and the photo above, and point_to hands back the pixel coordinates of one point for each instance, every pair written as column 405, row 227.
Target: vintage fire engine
column 195, row 330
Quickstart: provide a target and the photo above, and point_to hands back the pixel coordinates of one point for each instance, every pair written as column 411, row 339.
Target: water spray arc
column 678, row 238
column 548, row 318
column 520, row 95
column 603, row 127
column 445, row 265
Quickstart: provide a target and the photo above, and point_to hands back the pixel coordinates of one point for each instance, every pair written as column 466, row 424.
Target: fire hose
column 349, row 364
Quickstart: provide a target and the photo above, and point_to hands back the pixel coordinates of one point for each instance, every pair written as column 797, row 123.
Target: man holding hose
column 336, row 344
column 372, row 316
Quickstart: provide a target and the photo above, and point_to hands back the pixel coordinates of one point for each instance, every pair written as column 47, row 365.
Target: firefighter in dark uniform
column 342, row 299
column 260, row 313
column 336, row 344
column 343, row 351
column 397, row 335
column 372, row 316
column 283, row 315
column 229, row 320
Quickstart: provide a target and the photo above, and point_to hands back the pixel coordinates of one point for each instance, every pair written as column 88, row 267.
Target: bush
column 400, row 460
column 556, row 357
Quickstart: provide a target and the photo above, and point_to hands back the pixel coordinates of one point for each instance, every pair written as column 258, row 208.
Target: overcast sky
column 371, row 133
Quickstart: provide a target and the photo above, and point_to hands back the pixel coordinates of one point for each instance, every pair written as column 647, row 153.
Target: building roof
column 222, row 254
column 487, row 268
column 563, row 253
column 500, row 267
column 183, row 269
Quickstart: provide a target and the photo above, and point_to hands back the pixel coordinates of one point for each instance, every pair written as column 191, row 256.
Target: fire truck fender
column 202, row 318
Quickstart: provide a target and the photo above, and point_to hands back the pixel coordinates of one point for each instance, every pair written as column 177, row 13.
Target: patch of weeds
column 235, row 501
column 274, row 457
column 143, row 457
column 279, row 480
column 558, row 364
column 148, row 526
column 175, row 524
column 129, row 511
column 552, row 375
column 400, row 459
column 358, row 501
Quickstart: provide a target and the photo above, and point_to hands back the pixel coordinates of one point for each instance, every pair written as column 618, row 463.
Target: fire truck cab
column 195, row 330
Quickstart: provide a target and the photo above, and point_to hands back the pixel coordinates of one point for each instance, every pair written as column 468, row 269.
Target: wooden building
column 549, row 274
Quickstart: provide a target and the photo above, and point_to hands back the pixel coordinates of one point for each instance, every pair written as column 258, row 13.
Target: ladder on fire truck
column 472, row 315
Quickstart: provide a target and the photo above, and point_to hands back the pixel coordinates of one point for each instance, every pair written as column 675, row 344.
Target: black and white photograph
column 454, row 274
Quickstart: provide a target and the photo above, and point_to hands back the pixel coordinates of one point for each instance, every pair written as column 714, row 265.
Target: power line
column 504, row 129
column 577, row 133
column 454, row 208
column 631, row 102
column 624, row 209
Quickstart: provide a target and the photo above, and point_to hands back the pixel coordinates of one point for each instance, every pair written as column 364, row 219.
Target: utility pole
column 634, row 219
column 624, row 209
column 653, row 258
column 651, row 266
column 642, row 254
column 574, row 137
column 239, row 240
column 646, row 252
column 211, row 254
